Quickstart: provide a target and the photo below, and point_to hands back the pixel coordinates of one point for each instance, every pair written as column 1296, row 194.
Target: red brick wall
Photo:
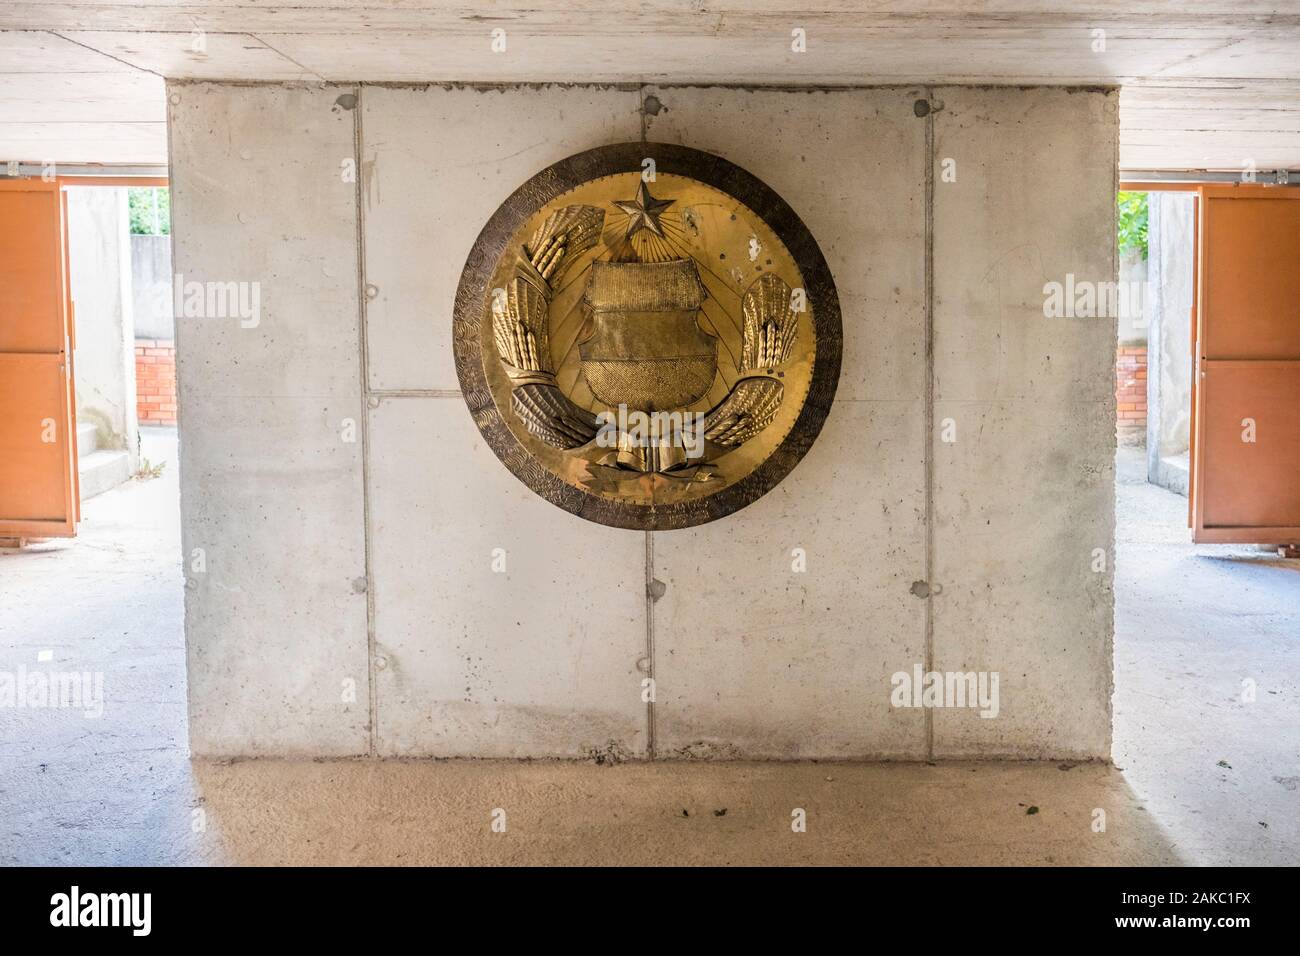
column 155, row 382
column 155, row 387
column 1131, row 394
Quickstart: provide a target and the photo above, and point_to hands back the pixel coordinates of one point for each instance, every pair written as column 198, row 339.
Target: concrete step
column 87, row 439
column 1172, row 472
column 102, row 470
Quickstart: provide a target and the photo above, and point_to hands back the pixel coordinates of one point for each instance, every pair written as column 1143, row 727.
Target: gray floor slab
column 1202, row 775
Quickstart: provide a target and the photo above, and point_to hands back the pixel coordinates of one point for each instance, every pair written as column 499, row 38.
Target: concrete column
column 271, row 419
column 1024, row 407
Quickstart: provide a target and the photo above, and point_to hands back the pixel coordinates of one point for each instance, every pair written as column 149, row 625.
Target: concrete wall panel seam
column 650, row 598
column 358, row 140
column 928, row 422
column 649, row 568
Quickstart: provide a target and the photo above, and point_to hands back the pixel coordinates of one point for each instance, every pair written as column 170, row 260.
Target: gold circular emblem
column 647, row 336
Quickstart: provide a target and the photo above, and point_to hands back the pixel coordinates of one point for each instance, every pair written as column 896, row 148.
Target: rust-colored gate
column 39, row 497
column 1246, row 449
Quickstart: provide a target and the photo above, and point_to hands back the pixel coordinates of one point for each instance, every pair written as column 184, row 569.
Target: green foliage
column 151, row 210
column 148, row 470
column 1133, row 222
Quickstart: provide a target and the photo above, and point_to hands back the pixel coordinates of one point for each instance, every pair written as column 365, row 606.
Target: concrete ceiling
column 1206, row 84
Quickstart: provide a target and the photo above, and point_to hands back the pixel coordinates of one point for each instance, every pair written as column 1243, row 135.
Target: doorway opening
column 1208, row 363
column 92, row 656
column 88, row 347
column 1206, row 608
column 1154, row 362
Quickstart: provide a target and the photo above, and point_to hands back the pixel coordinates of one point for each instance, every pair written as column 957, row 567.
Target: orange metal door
column 38, row 468
column 1246, row 471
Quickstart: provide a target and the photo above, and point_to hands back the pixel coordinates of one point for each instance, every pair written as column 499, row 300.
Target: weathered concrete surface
column 436, row 163
column 1023, row 491
column 1192, row 621
column 271, row 410
column 504, row 629
column 752, row 657
column 756, row 659
column 99, row 262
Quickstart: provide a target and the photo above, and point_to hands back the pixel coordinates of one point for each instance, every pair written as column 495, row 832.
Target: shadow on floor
column 1262, row 560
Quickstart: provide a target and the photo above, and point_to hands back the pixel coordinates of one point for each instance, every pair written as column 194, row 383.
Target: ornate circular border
column 471, row 308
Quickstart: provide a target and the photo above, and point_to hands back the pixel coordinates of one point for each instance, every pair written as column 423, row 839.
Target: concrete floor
column 1200, row 776
column 1192, row 623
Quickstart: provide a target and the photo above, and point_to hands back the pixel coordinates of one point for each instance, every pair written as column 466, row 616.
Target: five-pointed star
column 644, row 211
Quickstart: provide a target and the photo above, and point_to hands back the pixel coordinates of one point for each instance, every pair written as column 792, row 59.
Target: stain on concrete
column 609, row 754
column 347, row 101
column 370, row 182
column 707, row 750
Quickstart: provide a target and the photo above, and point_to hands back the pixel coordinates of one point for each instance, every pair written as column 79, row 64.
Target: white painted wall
column 1135, row 309
column 751, row 659
column 1169, row 353
column 151, row 286
column 99, row 256
column 1175, row 248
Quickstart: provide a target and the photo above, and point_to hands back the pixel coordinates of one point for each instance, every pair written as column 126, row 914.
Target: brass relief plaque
column 647, row 336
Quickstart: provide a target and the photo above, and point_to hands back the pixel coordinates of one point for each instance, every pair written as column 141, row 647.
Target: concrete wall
column 272, row 499
column 151, row 286
column 1024, row 496
column 99, row 259
column 370, row 561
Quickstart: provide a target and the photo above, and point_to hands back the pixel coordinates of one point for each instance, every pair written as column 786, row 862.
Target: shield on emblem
column 646, row 351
